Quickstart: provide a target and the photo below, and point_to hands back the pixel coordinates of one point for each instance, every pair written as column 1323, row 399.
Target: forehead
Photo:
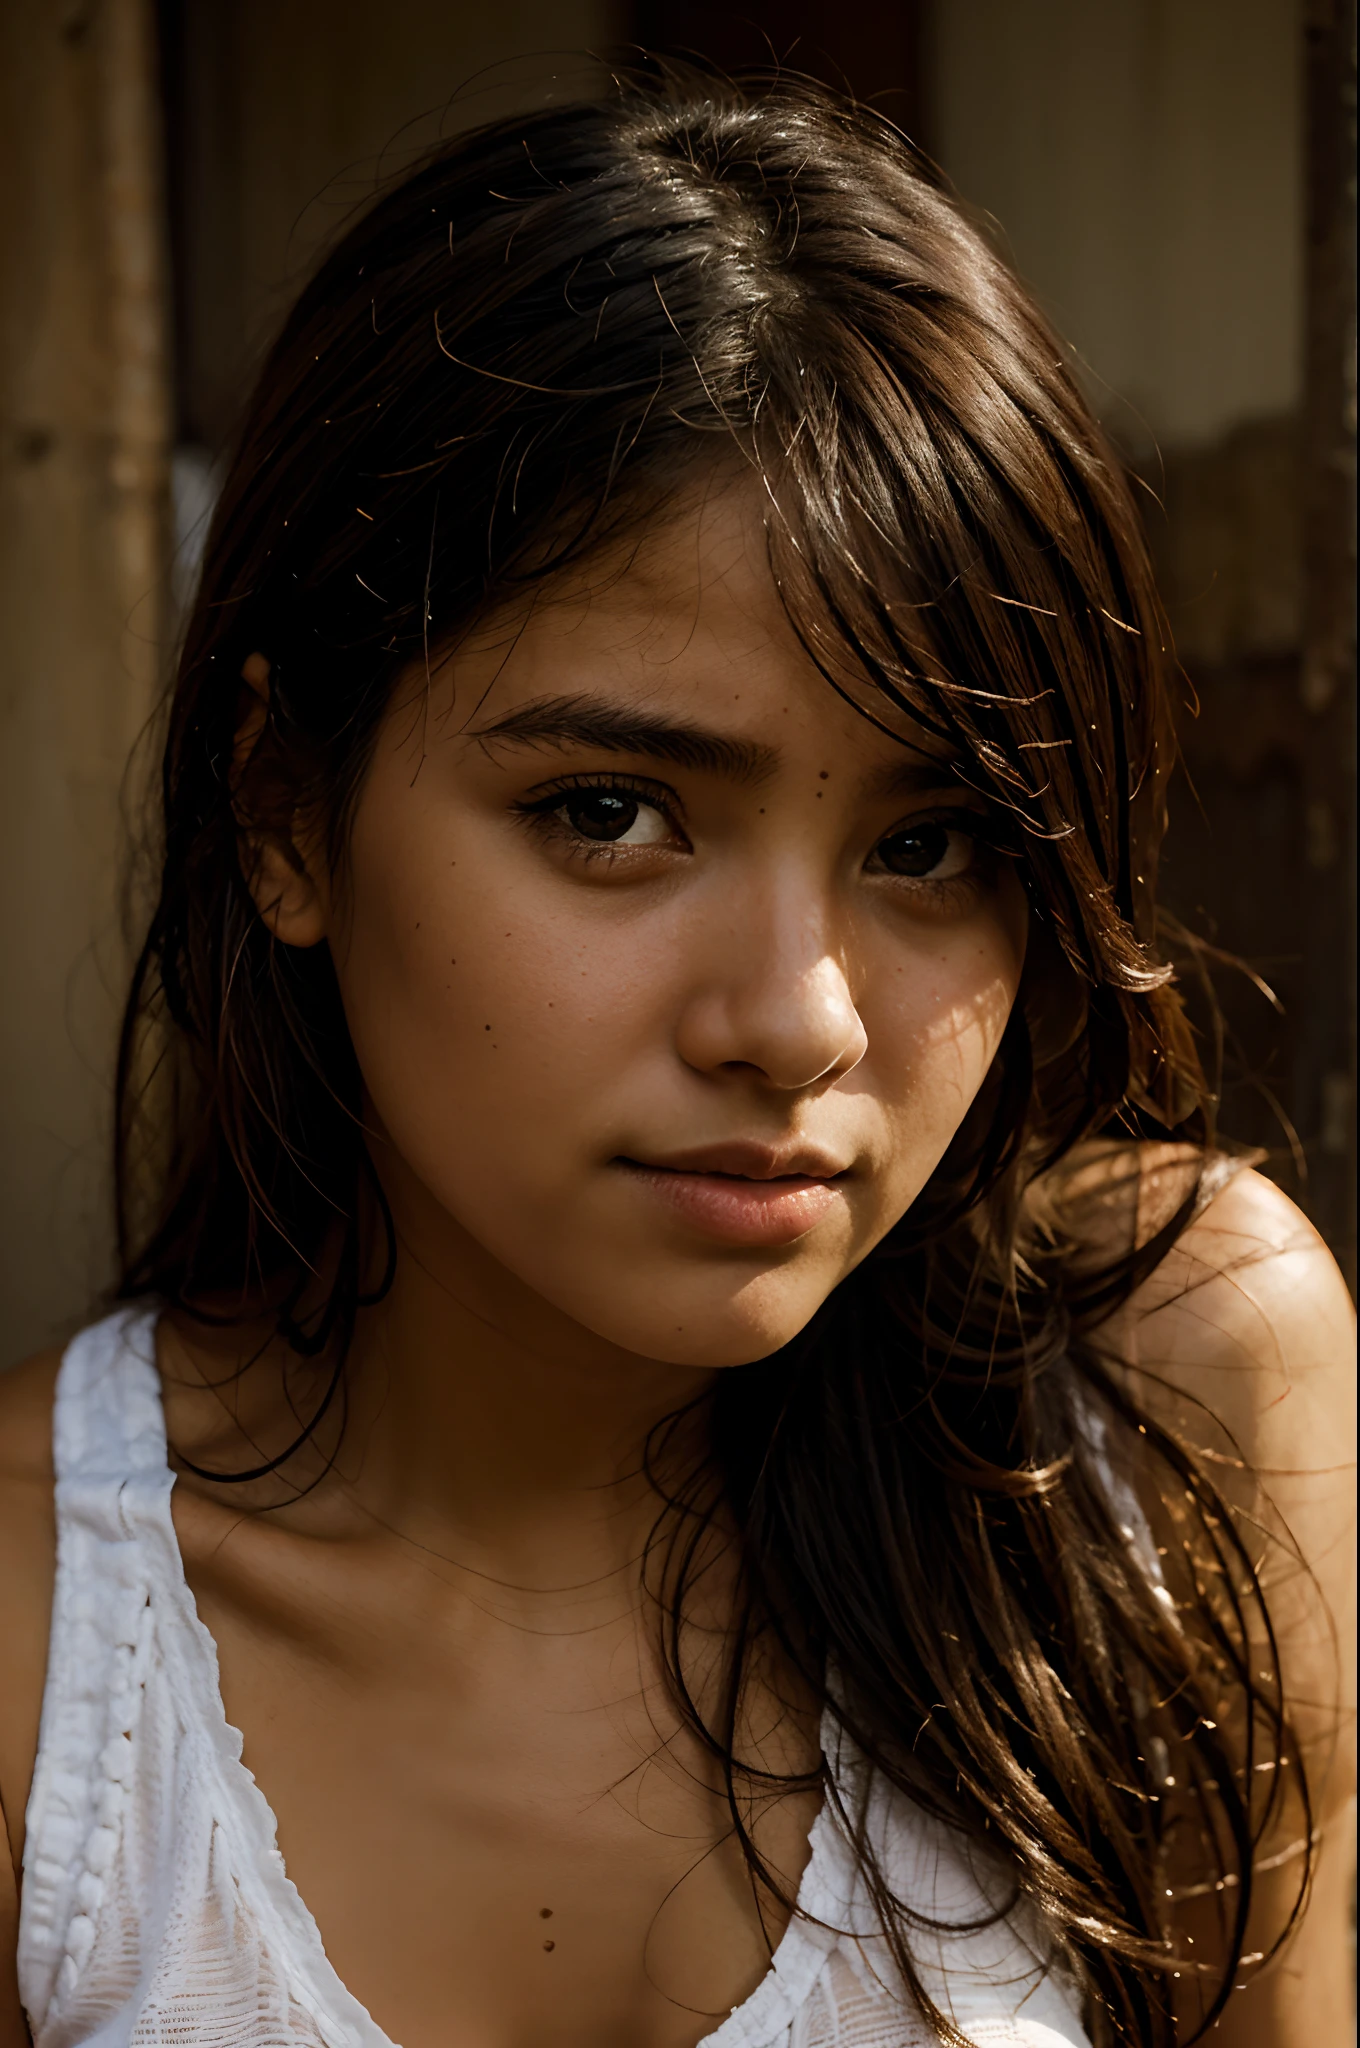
column 692, row 589
column 682, row 619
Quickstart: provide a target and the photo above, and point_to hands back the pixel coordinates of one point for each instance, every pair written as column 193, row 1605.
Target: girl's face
column 670, row 978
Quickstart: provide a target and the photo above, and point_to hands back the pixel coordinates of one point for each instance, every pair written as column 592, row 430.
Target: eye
column 604, row 814
column 614, row 817
column 928, row 851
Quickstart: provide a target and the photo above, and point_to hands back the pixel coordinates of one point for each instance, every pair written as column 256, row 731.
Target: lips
column 741, row 1193
column 749, row 1160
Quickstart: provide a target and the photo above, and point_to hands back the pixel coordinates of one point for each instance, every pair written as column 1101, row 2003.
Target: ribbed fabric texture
column 156, row 1908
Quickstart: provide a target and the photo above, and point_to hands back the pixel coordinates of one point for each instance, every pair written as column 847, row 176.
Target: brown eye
column 925, row 852
column 600, row 814
column 612, row 817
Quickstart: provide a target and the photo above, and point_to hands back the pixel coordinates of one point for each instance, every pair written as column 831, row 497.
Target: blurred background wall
column 1173, row 177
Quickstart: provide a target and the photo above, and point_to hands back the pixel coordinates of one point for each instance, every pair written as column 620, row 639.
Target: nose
column 773, row 997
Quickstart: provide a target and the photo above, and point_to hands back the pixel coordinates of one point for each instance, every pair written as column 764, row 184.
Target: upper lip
column 749, row 1160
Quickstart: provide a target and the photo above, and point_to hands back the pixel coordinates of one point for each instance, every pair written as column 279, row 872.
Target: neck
column 479, row 1423
column 487, row 1423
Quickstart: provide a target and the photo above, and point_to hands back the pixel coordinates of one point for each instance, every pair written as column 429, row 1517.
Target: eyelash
column 540, row 813
column 988, row 845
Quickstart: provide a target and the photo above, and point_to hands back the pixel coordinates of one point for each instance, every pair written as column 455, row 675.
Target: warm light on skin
column 530, row 1013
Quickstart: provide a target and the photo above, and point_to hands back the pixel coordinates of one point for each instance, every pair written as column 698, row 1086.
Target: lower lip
column 746, row 1212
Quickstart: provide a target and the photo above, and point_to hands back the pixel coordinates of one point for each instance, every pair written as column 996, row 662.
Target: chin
column 705, row 1333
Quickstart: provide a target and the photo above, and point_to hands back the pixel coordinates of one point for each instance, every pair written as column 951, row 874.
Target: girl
column 687, row 1372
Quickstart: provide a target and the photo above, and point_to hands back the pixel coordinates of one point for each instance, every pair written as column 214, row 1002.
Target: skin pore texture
column 670, row 979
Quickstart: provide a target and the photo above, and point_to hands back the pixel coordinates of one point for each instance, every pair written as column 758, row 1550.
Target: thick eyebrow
column 612, row 728
column 917, row 775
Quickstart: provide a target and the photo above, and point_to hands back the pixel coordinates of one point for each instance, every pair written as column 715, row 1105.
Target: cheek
column 940, row 1021
column 486, row 1025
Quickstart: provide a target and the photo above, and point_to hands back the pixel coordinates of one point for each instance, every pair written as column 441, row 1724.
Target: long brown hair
column 524, row 344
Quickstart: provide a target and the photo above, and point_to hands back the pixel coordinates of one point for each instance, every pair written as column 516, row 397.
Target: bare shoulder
column 26, row 1416
column 27, row 1567
column 1244, row 1339
column 1249, row 1312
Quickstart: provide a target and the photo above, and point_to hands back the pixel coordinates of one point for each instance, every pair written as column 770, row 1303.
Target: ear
column 282, row 870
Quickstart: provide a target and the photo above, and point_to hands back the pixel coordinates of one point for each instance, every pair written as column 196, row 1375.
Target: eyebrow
column 612, row 728
column 587, row 721
column 917, row 776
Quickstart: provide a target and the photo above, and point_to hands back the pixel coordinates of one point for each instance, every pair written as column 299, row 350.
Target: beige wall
column 83, row 443
column 285, row 98
column 1144, row 158
column 292, row 111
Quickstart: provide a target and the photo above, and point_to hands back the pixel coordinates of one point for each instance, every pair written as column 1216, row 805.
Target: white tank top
column 156, row 1908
